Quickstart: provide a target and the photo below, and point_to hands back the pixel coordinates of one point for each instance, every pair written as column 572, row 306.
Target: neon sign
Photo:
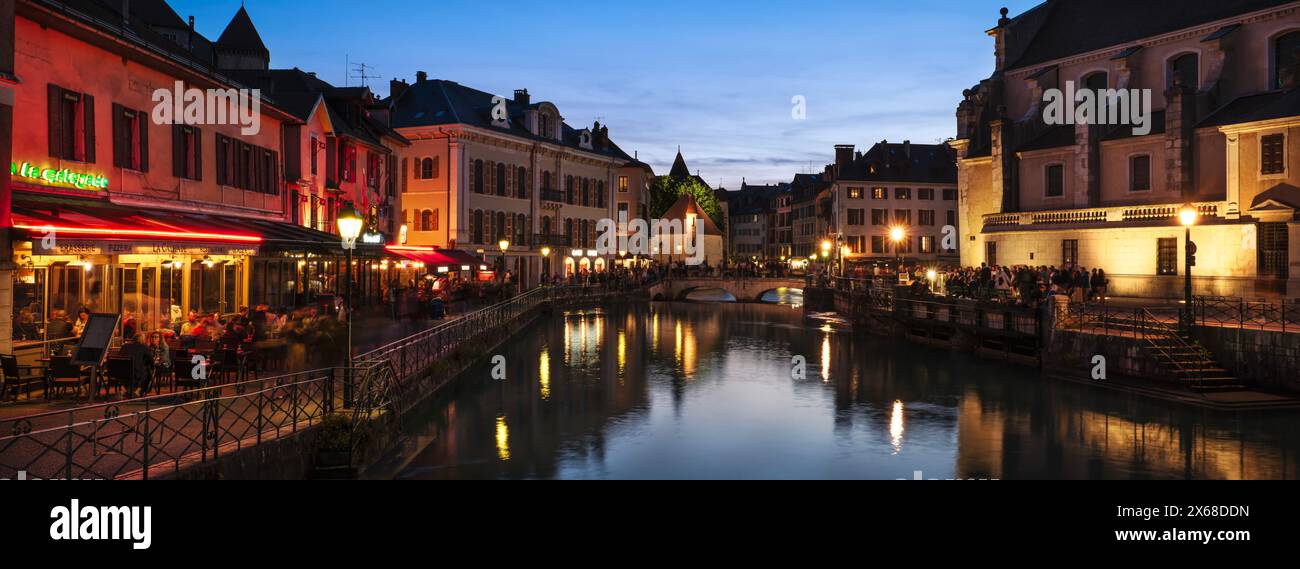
column 63, row 177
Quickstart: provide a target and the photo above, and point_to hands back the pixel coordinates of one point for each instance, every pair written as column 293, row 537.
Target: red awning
column 433, row 257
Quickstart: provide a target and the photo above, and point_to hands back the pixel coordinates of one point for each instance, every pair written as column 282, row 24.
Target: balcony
column 553, row 196
column 1152, row 215
column 554, row 241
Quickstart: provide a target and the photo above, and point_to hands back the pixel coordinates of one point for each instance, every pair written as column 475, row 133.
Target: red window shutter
column 143, row 118
column 178, row 150
column 56, row 121
column 121, row 152
column 88, row 112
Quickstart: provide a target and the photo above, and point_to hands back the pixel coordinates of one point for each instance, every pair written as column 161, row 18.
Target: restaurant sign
column 93, row 247
column 56, row 177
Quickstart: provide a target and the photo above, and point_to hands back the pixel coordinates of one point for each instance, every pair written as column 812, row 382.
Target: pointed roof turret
column 679, row 167
column 241, row 46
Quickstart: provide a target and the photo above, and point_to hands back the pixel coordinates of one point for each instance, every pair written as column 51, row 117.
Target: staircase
column 1180, row 355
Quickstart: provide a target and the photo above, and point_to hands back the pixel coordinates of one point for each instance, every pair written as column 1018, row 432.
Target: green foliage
column 666, row 191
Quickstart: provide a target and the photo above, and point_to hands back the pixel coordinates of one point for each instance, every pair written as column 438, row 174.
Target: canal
column 708, row 391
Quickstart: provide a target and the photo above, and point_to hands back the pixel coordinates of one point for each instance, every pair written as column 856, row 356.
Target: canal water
column 709, row 391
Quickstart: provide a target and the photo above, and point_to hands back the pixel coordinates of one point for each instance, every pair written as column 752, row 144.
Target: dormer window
column 544, row 125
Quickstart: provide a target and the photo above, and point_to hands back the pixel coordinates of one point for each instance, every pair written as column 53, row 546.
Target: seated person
column 141, row 361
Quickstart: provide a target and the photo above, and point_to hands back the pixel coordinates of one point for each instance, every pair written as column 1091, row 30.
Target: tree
column 666, row 191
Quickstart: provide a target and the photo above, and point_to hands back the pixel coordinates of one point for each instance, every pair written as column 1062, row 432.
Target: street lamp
column 546, row 262
column 350, row 223
column 897, row 234
column 1188, row 217
column 504, row 245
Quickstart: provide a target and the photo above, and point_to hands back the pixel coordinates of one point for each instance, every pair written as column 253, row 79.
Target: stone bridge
column 745, row 290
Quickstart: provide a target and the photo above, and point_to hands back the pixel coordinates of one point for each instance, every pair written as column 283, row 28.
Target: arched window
column 500, row 229
column 586, row 192
column 426, row 220
column 546, row 181
column 1097, row 81
column 501, row 179
column 1286, row 60
column 568, row 190
column 478, row 226
column 546, row 226
column 429, row 168
column 600, row 195
column 521, row 229
column 568, row 232
column 521, row 188
column 1187, row 69
column 478, row 177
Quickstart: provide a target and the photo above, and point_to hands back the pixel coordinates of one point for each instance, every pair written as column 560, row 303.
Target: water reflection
column 705, row 391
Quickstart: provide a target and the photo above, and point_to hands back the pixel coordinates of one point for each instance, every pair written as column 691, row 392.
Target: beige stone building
column 1224, row 124
column 483, row 168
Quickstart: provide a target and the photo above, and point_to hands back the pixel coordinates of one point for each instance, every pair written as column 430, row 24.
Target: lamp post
column 504, row 245
column 897, row 235
column 546, row 263
column 350, row 223
column 1188, row 217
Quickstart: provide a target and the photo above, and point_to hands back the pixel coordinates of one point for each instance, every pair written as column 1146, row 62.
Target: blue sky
column 715, row 77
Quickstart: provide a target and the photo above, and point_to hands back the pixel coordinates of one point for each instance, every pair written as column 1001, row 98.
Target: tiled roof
column 440, row 102
column 891, row 162
column 241, row 35
column 1061, row 28
column 1253, row 108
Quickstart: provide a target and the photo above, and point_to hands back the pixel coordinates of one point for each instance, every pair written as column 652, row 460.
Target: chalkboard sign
column 95, row 340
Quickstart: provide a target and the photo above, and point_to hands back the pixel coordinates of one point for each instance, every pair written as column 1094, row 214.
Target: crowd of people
column 1025, row 284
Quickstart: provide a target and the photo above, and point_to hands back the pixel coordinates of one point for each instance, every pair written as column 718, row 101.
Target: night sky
column 715, row 77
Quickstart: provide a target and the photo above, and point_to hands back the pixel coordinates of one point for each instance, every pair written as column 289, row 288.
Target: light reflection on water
column 705, row 391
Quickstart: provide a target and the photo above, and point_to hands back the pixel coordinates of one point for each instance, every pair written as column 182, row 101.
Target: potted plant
column 334, row 443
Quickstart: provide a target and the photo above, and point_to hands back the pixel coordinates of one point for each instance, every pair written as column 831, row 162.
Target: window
column 880, row 217
column 1273, row 154
column 903, row 217
column 1139, row 173
column 600, row 195
column 501, row 179
column 857, row 217
column 1070, row 252
column 71, row 125
column 878, row 244
column 903, row 193
column 623, row 211
column 926, row 217
column 521, row 186
column 622, row 184
column 1096, row 82
column 315, row 162
column 952, row 218
column 1186, row 69
column 187, row 152
column 477, row 233
column 130, row 139
column 991, row 253
column 373, row 169
column 1286, row 60
column 855, row 193
column 568, row 190
column 426, row 220
column 1274, row 248
column 247, row 167
column 927, row 244
column 1167, row 258
column 1054, row 185
column 926, row 194
column 879, row 194
column 428, row 169
column 950, row 195
column 586, row 192
column 478, row 178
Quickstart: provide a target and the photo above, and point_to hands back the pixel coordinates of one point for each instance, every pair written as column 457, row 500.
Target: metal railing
column 1158, row 333
column 1239, row 313
column 162, row 435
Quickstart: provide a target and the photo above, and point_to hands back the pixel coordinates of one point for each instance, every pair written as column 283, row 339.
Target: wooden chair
column 64, row 375
column 14, row 381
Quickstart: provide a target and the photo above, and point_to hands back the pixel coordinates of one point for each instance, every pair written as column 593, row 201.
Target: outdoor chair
column 183, row 374
column 63, row 376
column 120, row 374
column 14, row 381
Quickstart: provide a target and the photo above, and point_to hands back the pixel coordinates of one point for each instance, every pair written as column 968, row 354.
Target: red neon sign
column 141, row 233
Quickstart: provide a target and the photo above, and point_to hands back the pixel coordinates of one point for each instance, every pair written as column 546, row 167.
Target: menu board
column 100, row 329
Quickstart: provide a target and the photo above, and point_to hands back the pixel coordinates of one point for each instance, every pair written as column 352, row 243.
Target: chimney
column 907, row 149
column 126, row 12
column 396, row 88
column 421, row 77
column 522, row 97
column 190, row 41
column 843, row 156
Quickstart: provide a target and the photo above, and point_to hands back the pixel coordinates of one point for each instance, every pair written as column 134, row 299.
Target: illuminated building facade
column 1224, row 121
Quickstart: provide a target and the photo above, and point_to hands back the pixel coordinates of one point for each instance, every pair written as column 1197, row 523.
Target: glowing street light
column 1188, row 216
column 350, row 223
column 897, row 235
